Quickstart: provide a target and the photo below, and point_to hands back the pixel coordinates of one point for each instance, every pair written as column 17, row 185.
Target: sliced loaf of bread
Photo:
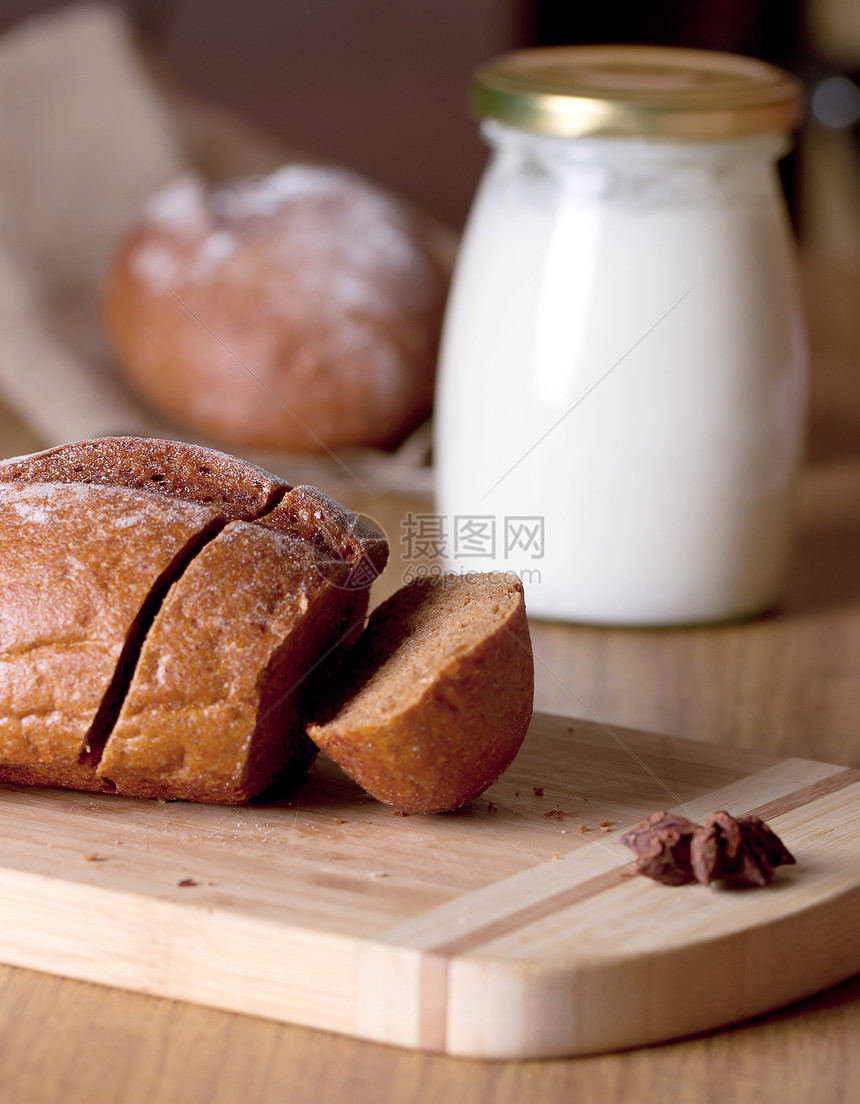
column 162, row 608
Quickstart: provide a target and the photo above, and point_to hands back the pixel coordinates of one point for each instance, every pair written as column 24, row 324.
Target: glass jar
column 622, row 384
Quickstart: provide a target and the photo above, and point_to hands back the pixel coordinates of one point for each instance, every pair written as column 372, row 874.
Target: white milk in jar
column 623, row 370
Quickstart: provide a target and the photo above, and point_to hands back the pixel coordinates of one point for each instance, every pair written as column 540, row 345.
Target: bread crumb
column 377, row 874
column 187, row 882
column 537, row 791
column 556, row 812
column 582, row 829
column 95, row 857
column 339, row 820
column 604, row 825
column 491, row 807
column 397, row 812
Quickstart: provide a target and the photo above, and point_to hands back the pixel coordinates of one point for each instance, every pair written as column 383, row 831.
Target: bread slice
column 439, row 695
column 214, row 711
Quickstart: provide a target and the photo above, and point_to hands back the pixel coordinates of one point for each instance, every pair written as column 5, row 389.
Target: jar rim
column 644, row 91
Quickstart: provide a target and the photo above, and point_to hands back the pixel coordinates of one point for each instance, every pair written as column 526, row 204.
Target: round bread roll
column 297, row 312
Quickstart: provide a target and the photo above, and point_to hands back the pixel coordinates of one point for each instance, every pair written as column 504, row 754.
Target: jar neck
column 648, row 173
column 611, row 151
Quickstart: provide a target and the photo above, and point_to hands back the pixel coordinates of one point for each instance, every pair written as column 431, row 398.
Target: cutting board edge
column 465, row 1005
column 460, row 1005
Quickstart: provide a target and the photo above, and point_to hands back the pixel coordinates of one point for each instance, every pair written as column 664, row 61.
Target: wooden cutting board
column 504, row 930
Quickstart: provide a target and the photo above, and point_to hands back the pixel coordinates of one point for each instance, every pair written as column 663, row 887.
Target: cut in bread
column 439, row 695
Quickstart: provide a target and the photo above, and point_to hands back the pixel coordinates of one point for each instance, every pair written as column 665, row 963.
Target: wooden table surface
column 788, row 683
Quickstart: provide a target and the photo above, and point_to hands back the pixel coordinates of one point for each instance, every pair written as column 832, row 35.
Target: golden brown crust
column 296, row 312
column 64, row 776
column 77, row 564
column 440, row 696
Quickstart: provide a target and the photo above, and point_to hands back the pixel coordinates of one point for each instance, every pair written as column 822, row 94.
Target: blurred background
column 380, row 85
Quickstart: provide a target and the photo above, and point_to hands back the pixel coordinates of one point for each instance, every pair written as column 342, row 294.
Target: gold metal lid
column 636, row 91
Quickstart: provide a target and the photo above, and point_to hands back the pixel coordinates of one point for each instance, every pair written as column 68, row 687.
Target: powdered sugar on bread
column 299, row 310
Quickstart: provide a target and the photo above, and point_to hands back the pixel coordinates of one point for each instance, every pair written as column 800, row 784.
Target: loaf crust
column 173, row 468
column 235, row 488
column 298, row 312
column 440, row 695
column 77, row 564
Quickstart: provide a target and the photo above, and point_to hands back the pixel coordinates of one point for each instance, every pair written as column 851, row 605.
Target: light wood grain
column 503, row 930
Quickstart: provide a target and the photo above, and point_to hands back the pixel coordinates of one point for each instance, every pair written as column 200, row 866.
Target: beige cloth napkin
column 88, row 132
